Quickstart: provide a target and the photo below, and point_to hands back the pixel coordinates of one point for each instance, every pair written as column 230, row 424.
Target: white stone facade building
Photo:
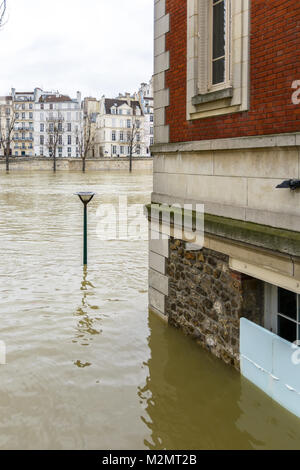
column 5, row 117
column 146, row 99
column 32, row 113
column 23, row 114
column 52, row 106
column 118, row 119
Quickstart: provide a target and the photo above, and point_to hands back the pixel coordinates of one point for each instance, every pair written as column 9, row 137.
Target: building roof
column 109, row 103
column 54, row 99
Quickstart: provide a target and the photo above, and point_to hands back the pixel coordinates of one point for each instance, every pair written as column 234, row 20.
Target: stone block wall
column 206, row 299
column 75, row 164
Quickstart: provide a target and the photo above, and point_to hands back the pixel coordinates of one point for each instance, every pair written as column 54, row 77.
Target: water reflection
column 194, row 401
column 87, row 325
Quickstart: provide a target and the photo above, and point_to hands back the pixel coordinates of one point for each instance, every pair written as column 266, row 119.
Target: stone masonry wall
column 75, row 164
column 206, row 299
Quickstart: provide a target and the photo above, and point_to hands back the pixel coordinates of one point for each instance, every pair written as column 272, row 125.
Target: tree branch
column 2, row 12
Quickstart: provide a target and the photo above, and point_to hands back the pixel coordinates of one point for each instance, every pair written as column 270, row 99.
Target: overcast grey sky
column 95, row 46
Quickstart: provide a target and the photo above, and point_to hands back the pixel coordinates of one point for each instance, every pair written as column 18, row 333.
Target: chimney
column 37, row 94
column 79, row 97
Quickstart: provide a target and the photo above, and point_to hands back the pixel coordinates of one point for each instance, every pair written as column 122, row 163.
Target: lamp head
column 85, row 197
column 289, row 184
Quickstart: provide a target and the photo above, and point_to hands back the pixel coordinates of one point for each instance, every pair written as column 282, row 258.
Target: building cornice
column 237, row 143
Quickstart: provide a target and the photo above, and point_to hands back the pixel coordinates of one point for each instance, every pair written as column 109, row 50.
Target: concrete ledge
column 278, row 240
column 212, row 96
column 237, row 143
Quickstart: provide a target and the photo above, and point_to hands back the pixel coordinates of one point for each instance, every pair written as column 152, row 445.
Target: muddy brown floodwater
column 87, row 366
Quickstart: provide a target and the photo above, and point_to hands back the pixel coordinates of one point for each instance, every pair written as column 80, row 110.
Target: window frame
column 203, row 98
column 272, row 313
column 228, row 46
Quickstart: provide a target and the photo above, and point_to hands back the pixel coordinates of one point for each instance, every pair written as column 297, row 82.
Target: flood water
column 87, row 367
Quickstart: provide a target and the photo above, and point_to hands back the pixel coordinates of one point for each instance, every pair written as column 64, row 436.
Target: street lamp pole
column 85, row 234
column 85, row 199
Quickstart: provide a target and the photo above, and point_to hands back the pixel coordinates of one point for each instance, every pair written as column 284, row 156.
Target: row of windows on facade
column 126, row 111
column 121, row 123
column 23, row 136
column 61, row 116
column 129, row 136
column 22, row 126
column 123, row 150
column 24, row 151
column 59, row 106
column 23, row 146
column 24, row 106
column 51, row 116
column 59, row 127
column 42, row 106
column 60, row 140
column 24, row 115
column 128, row 123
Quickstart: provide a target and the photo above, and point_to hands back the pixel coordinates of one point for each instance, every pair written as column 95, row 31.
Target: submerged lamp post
column 85, row 199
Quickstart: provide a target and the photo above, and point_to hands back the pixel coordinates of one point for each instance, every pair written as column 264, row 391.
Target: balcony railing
column 55, row 119
column 24, row 128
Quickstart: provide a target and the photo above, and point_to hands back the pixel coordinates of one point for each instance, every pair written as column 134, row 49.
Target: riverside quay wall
column 75, row 164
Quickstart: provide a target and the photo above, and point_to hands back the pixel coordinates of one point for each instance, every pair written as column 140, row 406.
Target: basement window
column 288, row 318
column 283, row 313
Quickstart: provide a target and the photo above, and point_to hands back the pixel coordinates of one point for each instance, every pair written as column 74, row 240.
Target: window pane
column 287, row 303
column 218, row 71
column 287, row 329
column 219, row 29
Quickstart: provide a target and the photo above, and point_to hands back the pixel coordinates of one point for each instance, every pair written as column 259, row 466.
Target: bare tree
column 54, row 136
column 133, row 139
column 7, row 128
column 3, row 7
column 85, row 139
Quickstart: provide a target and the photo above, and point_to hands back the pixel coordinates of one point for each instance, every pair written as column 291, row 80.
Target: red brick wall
column 274, row 65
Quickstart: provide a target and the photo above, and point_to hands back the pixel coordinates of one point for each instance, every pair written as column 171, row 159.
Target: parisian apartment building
column 145, row 94
column 114, row 121
column 120, row 122
column 54, row 110
column 35, row 115
column 117, row 125
column 227, row 107
column 6, row 111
